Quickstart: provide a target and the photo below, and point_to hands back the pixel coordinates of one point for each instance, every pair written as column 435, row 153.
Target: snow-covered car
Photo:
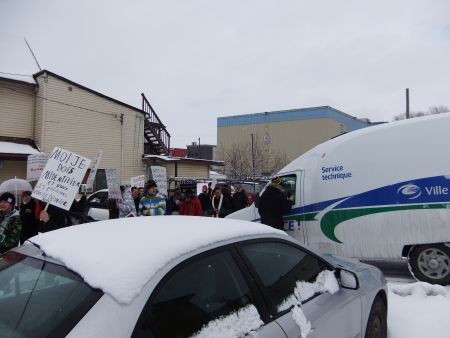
column 182, row 276
column 97, row 204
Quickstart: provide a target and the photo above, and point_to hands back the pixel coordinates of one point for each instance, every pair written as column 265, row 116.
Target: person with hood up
column 126, row 206
column 10, row 223
column 273, row 204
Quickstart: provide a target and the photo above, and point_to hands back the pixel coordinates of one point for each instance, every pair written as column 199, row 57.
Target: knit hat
column 8, row 197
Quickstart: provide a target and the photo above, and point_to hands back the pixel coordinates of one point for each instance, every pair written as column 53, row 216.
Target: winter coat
column 273, row 205
column 126, row 206
column 205, row 201
column 10, row 230
column 191, row 208
column 58, row 219
column 225, row 209
column 152, row 205
column 239, row 200
column 29, row 221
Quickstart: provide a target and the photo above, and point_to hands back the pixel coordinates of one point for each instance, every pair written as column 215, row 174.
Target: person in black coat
column 205, row 200
column 27, row 211
column 53, row 218
column 273, row 205
column 240, row 200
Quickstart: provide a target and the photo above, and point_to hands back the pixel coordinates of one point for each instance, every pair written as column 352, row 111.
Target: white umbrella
column 15, row 186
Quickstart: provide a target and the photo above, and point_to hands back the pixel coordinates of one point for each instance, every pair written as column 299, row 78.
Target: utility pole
column 407, row 103
column 253, row 158
column 199, row 148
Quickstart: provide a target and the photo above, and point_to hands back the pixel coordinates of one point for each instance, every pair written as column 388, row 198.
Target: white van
column 376, row 193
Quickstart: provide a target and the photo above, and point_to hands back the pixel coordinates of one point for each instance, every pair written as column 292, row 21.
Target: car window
column 199, row 292
column 279, row 267
column 100, row 198
column 43, row 299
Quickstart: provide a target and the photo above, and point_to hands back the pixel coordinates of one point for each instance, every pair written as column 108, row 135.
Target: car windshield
column 39, row 298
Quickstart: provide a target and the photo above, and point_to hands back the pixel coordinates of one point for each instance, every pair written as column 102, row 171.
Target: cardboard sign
column 158, row 174
column 61, row 178
column 89, row 186
column 113, row 186
column 35, row 166
column 138, row 181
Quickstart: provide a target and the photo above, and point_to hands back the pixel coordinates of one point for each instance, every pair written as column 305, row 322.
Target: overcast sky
column 202, row 59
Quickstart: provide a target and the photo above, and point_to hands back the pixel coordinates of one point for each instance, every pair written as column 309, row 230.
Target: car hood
column 351, row 264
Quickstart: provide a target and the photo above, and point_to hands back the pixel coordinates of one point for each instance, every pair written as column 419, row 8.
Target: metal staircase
column 156, row 135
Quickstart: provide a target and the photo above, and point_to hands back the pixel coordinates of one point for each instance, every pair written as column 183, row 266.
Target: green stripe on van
column 331, row 219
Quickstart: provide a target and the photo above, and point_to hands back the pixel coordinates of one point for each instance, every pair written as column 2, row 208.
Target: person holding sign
column 153, row 203
column 10, row 223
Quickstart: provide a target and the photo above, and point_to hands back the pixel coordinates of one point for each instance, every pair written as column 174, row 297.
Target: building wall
column 288, row 139
column 12, row 168
column 84, row 131
column 288, row 134
column 16, row 110
column 185, row 169
column 193, row 170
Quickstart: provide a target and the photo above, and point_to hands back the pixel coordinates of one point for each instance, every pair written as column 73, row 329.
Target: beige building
column 280, row 136
column 49, row 110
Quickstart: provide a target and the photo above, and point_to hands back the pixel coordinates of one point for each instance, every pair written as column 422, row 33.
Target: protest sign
column 113, row 186
column 35, row 166
column 158, row 174
column 61, row 178
column 138, row 181
column 90, row 180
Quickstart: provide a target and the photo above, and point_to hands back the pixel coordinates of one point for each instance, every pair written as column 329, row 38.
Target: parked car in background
column 97, row 204
column 185, row 277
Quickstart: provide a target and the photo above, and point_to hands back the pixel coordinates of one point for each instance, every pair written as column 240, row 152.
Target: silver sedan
column 181, row 276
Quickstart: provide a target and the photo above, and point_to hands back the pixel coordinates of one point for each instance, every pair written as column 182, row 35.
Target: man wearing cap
column 153, row 203
column 27, row 215
column 10, row 223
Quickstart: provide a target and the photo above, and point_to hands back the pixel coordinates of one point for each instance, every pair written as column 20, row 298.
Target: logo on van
column 411, row 191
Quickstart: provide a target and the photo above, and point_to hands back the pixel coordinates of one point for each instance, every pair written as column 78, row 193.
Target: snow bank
column 418, row 310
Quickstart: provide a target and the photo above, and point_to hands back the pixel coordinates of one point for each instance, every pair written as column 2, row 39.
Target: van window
column 289, row 182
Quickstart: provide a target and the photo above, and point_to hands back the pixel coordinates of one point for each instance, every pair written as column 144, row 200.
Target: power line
column 60, row 102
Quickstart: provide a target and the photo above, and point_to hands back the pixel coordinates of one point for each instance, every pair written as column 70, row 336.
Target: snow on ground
column 418, row 310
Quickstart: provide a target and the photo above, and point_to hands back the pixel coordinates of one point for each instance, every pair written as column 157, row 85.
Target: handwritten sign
column 113, row 186
column 61, row 178
column 159, row 176
column 90, row 180
column 138, row 181
column 35, row 165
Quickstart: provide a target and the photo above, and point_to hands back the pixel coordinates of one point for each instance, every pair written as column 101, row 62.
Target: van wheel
column 430, row 263
column 377, row 322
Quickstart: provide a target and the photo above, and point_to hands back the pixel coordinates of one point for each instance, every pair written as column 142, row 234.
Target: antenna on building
column 33, row 54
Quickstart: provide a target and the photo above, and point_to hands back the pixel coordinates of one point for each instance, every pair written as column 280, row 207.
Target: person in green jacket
column 10, row 223
column 153, row 203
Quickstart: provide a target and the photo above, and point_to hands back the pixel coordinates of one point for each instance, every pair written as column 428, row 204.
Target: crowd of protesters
column 217, row 202
column 19, row 223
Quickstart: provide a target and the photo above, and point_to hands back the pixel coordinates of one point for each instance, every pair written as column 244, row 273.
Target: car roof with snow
column 110, row 255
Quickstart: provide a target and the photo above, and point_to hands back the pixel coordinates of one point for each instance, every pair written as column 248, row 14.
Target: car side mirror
column 348, row 279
